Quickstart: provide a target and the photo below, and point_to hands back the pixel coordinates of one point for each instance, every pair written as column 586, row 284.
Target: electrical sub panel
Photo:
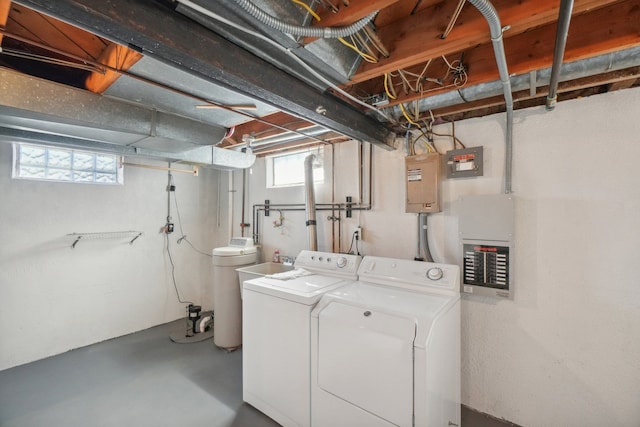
column 486, row 237
column 423, row 183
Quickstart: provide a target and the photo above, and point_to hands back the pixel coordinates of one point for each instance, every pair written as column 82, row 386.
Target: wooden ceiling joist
column 416, row 39
column 591, row 34
column 347, row 15
column 5, row 6
column 260, row 129
column 35, row 26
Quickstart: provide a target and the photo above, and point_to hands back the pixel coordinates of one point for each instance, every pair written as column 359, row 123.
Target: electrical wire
column 183, row 236
column 173, row 271
column 365, row 56
column 406, row 116
column 389, row 89
column 308, row 8
column 453, row 20
column 456, row 73
column 353, row 239
column 427, row 141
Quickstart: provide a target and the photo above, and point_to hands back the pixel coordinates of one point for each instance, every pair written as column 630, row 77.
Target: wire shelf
column 130, row 235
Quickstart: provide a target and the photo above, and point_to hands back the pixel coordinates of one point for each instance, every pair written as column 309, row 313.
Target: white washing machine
column 227, row 306
column 385, row 350
column 276, row 351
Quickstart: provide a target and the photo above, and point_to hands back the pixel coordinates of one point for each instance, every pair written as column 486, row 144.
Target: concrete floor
column 142, row 379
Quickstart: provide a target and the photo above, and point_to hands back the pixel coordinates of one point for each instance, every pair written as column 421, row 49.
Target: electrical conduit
column 296, row 30
column 491, row 15
column 566, row 7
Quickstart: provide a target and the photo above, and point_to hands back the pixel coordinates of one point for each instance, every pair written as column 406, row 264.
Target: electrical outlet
column 359, row 234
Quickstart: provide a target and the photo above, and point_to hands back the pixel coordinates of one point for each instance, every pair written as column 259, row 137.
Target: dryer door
column 365, row 357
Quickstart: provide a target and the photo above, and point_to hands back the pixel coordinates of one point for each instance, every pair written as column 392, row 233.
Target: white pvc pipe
column 310, row 203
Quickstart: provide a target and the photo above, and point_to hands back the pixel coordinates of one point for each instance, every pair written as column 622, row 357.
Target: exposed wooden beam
column 5, row 6
column 401, row 10
column 599, row 32
column 416, row 39
column 263, row 130
column 172, row 38
column 55, row 33
column 623, row 84
column 347, row 15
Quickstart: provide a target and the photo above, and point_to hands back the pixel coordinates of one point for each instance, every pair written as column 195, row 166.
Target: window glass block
column 40, row 162
column 83, row 161
column 59, row 174
column 59, row 159
column 30, row 155
column 106, row 178
column 32, row 172
column 80, row 176
column 106, row 163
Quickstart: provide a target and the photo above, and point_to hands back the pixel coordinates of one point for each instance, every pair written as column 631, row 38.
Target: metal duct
column 50, row 113
column 310, row 203
column 566, row 7
column 491, row 15
column 296, row 30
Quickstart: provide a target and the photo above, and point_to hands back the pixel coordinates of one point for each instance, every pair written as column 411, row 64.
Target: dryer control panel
column 415, row 275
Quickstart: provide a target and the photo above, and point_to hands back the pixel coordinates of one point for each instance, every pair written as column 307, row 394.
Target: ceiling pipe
column 564, row 18
column 297, row 30
column 491, row 15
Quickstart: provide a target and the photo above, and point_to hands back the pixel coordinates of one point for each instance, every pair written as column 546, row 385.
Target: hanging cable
column 453, row 20
column 183, row 237
column 167, row 230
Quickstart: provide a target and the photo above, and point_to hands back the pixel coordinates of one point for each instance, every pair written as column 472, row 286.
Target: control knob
column 435, row 273
column 342, row 262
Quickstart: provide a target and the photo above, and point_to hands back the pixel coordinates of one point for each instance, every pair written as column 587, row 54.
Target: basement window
column 43, row 163
column 287, row 170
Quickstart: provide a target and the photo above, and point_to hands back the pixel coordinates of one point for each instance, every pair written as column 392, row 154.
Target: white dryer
column 276, row 333
column 385, row 350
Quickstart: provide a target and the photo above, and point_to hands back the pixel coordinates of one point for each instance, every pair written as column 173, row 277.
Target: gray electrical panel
column 464, row 163
column 486, row 225
column 422, row 176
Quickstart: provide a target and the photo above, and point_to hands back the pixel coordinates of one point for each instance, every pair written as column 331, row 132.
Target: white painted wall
column 54, row 298
column 566, row 350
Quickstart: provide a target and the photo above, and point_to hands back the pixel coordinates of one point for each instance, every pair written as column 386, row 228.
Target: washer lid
column 234, row 250
column 423, row 308
column 304, row 290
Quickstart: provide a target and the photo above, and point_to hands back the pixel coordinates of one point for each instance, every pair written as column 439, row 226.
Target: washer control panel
column 327, row 261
